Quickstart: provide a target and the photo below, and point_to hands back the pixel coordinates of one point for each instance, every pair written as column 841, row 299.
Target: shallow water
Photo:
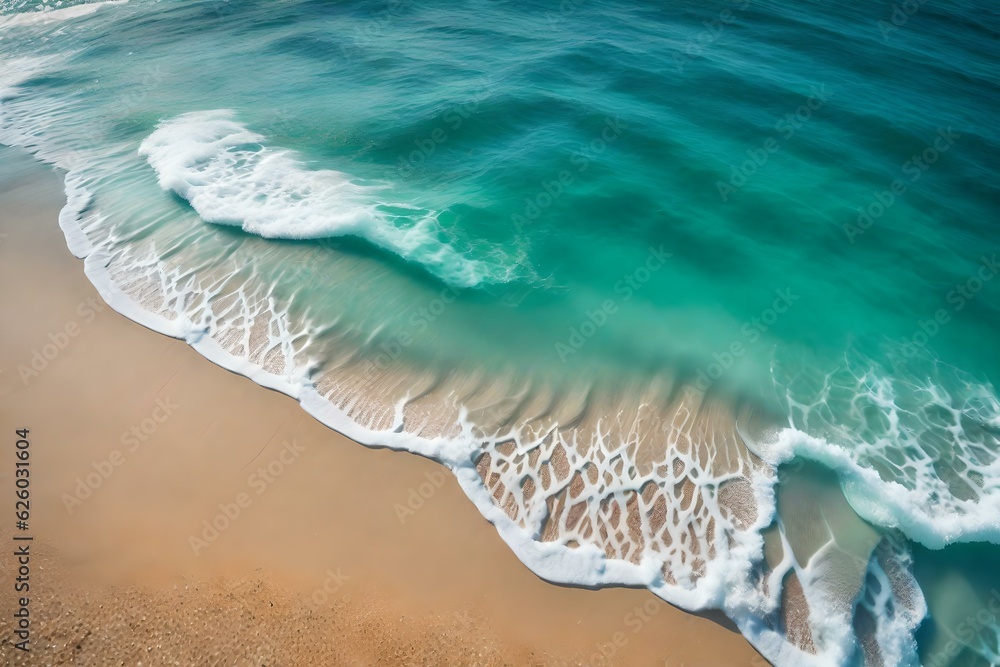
column 624, row 269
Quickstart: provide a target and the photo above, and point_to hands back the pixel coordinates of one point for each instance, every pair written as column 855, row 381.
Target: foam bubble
column 230, row 176
column 53, row 15
column 920, row 453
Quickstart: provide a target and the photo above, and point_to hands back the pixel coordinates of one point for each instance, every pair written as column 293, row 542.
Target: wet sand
column 183, row 515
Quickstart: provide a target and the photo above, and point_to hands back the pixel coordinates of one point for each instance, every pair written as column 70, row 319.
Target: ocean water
column 696, row 296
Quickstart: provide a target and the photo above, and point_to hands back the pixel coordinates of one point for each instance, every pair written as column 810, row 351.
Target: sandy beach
column 181, row 514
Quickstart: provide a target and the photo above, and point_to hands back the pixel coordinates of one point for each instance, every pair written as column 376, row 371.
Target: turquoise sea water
column 694, row 295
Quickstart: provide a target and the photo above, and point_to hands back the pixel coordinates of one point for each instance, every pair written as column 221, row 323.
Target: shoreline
column 199, row 462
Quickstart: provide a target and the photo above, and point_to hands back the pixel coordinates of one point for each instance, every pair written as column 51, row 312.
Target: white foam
column 231, row 177
column 50, row 15
column 923, row 466
column 15, row 71
column 926, row 514
column 895, row 620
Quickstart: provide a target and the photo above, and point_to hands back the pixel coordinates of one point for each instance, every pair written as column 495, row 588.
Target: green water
column 786, row 206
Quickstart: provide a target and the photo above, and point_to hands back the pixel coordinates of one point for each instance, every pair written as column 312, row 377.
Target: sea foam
column 918, row 452
column 230, row 176
column 55, row 15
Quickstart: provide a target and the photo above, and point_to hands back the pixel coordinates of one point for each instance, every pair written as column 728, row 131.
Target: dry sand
column 319, row 568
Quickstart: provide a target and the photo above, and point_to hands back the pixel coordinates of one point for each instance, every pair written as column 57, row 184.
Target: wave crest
column 231, row 177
